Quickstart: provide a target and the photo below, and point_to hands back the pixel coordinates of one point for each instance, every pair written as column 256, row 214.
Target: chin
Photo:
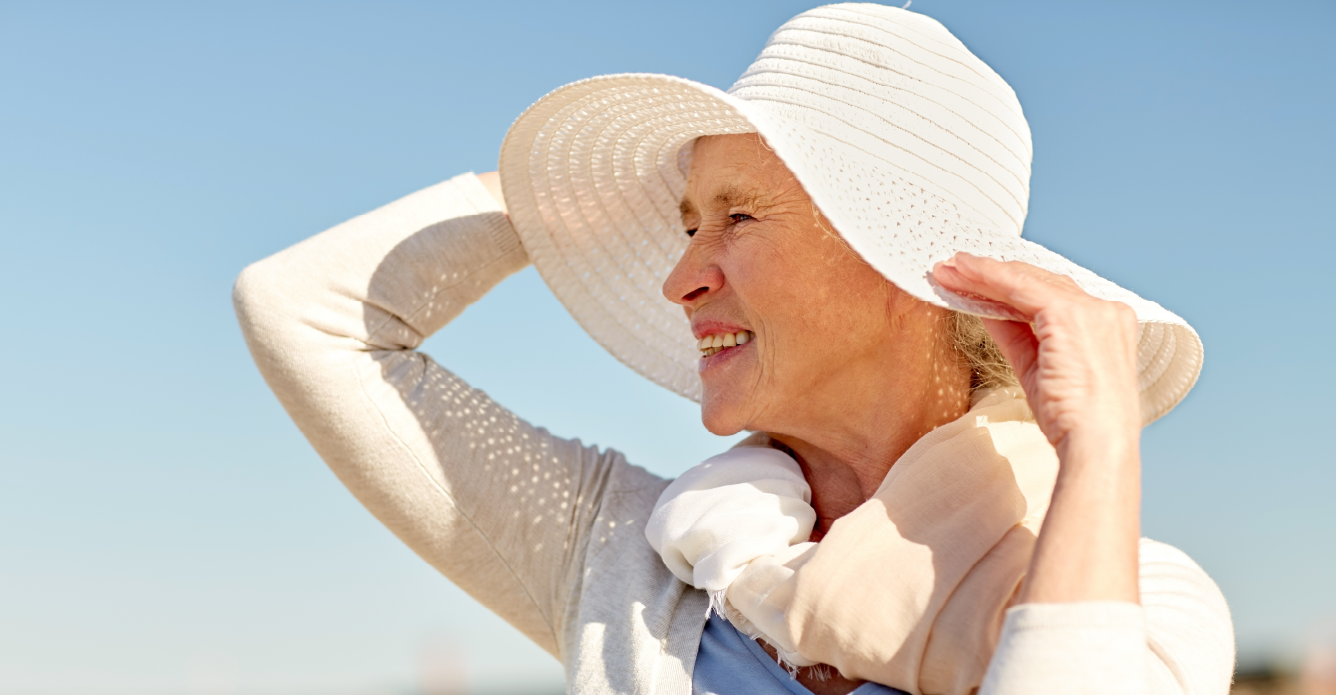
column 721, row 418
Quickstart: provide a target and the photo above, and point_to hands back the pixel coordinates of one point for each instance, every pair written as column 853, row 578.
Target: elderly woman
column 807, row 255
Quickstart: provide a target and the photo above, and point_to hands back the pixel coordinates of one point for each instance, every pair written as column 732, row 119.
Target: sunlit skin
column 1076, row 358
column 848, row 371
column 845, row 369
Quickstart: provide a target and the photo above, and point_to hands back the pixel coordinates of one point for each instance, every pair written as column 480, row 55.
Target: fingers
column 1075, row 354
column 1021, row 286
column 1018, row 344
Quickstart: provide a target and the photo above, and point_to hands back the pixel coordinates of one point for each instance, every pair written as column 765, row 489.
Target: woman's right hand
column 492, row 181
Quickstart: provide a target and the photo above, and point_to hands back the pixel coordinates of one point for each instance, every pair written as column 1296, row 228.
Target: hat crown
column 904, row 91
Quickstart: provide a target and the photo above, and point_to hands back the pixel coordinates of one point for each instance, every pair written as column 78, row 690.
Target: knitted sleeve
column 1179, row 641
column 499, row 506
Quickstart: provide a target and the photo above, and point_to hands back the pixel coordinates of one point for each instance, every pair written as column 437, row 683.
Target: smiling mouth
column 718, row 342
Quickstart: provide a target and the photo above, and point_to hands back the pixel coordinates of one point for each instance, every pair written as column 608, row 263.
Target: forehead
column 731, row 156
column 734, row 170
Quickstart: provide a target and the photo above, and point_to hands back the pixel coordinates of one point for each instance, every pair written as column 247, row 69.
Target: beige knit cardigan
column 549, row 533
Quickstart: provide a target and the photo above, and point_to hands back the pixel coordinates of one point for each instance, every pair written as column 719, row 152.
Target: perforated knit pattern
column 908, row 143
column 547, row 532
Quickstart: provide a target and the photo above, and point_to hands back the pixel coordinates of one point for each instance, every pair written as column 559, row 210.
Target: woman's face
column 822, row 322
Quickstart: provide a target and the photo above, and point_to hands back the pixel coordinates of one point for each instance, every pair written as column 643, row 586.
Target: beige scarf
column 909, row 589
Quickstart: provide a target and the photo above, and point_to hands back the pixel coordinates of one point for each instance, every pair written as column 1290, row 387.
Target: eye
column 739, row 217
column 691, row 232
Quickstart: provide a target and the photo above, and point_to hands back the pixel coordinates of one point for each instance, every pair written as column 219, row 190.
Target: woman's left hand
column 1075, row 356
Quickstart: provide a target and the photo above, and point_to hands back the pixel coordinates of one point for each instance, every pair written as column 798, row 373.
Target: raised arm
column 497, row 505
column 1100, row 611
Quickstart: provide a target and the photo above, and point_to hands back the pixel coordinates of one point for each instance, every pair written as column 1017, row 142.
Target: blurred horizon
column 165, row 528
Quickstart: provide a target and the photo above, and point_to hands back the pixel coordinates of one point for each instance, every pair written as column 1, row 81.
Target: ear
column 899, row 303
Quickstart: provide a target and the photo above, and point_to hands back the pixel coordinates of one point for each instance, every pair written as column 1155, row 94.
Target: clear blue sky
column 165, row 529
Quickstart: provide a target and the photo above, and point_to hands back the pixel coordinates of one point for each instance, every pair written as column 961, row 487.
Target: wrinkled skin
column 848, row 371
column 845, row 368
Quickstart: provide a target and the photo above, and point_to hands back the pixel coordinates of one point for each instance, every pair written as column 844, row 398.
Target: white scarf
column 937, row 552
column 748, row 503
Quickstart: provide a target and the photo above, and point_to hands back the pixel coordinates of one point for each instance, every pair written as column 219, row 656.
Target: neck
column 845, row 458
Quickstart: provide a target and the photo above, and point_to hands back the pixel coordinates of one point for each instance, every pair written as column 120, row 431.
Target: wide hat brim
column 593, row 174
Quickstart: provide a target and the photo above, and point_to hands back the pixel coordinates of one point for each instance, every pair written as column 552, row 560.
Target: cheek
column 814, row 309
column 771, row 292
column 788, row 306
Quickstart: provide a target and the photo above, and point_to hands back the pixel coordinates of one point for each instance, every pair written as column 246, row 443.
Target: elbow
column 258, row 298
column 249, row 291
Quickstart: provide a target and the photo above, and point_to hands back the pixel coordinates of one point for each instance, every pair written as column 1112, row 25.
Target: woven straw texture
column 910, row 145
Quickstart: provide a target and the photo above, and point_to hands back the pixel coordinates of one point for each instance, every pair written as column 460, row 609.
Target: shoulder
column 1188, row 625
column 1168, row 576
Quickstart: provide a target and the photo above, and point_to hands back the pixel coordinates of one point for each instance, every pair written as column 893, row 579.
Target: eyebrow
column 727, row 197
column 685, row 208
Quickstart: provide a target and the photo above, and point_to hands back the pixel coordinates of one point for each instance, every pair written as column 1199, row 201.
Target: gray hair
column 988, row 368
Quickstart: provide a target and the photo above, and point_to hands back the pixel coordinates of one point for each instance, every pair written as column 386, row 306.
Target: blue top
column 731, row 663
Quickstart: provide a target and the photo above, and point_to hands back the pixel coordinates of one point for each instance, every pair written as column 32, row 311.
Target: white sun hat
column 910, row 145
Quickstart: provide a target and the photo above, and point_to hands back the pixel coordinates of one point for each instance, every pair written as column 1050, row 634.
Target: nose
column 694, row 280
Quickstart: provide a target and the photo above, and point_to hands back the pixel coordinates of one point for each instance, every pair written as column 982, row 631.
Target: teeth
column 712, row 344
